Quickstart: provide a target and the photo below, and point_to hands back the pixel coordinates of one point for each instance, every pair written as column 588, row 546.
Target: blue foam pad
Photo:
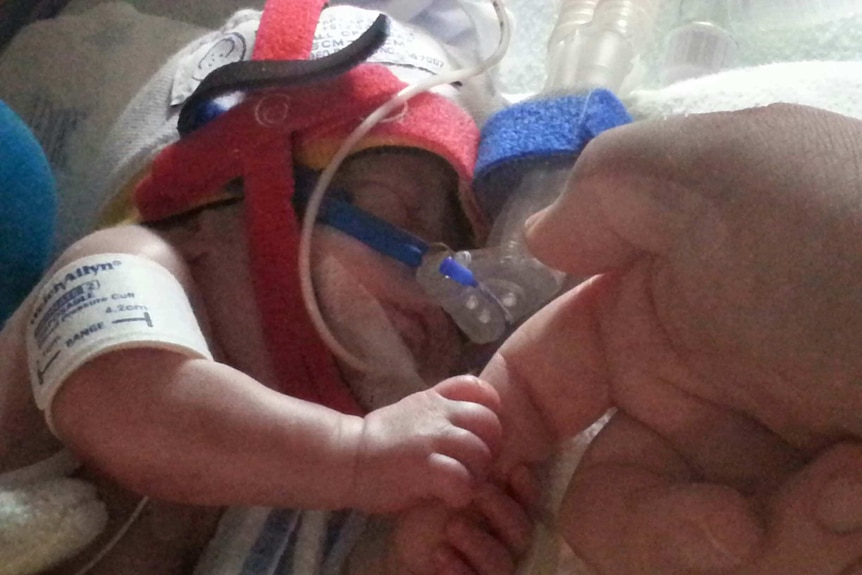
column 28, row 211
column 553, row 128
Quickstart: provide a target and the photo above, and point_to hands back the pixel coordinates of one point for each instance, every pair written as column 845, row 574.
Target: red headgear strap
column 281, row 16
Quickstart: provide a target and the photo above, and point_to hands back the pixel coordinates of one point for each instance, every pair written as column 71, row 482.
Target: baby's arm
column 198, row 431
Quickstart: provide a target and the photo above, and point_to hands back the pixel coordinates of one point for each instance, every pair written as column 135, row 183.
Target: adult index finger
column 551, row 376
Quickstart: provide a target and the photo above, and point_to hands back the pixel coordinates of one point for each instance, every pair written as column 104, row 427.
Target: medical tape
column 103, row 303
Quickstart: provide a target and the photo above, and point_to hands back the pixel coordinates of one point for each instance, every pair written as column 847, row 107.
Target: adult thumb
column 651, row 186
column 629, row 193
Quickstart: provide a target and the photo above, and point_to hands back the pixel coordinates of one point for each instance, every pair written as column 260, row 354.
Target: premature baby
column 206, row 415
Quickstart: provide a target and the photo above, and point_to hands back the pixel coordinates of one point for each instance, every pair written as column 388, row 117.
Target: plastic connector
column 697, row 49
column 514, row 278
column 700, row 43
column 475, row 310
column 514, row 284
column 509, row 283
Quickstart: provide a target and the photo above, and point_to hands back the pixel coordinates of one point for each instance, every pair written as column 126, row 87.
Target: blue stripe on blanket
column 288, row 555
column 278, row 533
column 275, row 550
column 343, row 532
column 336, row 523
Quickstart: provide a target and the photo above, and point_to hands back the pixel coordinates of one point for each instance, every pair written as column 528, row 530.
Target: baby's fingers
column 450, row 480
column 487, row 539
column 506, row 518
column 471, row 389
column 475, row 423
column 475, row 435
column 482, row 551
column 461, row 461
column 473, row 405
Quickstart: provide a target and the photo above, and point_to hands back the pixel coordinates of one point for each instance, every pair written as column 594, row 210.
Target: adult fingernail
column 840, row 506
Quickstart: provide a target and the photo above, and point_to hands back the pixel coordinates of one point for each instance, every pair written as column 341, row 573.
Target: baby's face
column 372, row 304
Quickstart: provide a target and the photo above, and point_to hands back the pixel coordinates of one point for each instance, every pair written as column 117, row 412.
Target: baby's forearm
column 197, row 431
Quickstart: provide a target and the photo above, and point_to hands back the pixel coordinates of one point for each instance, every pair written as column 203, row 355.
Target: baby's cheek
column 351, row 307
column 376, row 307
column 343, row 267
column 340, row 268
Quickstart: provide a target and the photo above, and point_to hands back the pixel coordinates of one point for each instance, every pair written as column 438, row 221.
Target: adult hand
column 723, row 321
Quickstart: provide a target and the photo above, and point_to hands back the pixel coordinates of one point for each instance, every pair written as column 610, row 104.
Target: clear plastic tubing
column 599, row 52
column 700, row 43
column 573, row 15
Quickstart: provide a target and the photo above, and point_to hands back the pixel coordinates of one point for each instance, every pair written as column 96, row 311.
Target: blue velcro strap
column 545, row 128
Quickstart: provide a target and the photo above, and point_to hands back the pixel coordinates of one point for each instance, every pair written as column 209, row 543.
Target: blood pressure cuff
column 103, row 303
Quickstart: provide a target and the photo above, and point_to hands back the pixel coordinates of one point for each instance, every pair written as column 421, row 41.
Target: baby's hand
column 438, row 443
column 487, row 538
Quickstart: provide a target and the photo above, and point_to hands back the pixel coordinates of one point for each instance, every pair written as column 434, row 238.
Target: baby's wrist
column 348, row 446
